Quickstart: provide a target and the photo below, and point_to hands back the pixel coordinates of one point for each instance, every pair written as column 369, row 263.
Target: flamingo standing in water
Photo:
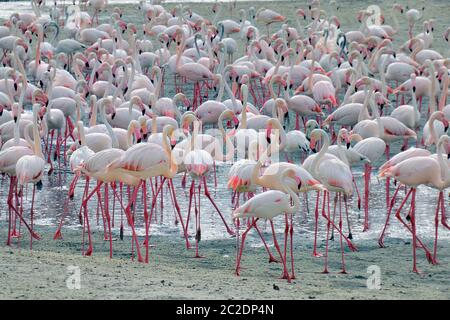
column 413, row 172
column 146, row 160
column 30, row 168
column 336, row 176
column 268, row 205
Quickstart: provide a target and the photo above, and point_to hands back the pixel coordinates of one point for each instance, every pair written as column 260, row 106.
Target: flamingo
column 413, row 172
column 268, row 205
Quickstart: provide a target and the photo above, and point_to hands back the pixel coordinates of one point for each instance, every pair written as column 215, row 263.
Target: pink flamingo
column 268, row 205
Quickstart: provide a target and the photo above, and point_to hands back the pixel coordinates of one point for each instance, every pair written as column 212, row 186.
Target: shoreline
column 173, row 273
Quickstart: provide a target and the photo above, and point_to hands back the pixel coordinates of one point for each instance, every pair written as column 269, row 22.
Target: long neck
column 341, row 151
column 37, row 60
column 229, row 146
column 414, row 104
column 93, row 120
column 109, row 86
column 130, row 79
column 221, row 89
column 173, row 166
column 36, row 136
column 444, row 92
column 296, row 201
column 442, row 166
column 112, row 134
column 432, row 89
column 378, row 119
column 17, row 127
column 319, row 156
column 81, row 134
column 433, row 132
column 364, row 112
column 159, row 82
column 130, row 135
column 394, row 18
column 350, row 90
column 230, row 93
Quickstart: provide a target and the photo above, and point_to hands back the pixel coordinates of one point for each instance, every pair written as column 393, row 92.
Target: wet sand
column 173, row 273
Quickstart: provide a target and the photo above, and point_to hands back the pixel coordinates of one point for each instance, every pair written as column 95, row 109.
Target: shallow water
column 50, row 201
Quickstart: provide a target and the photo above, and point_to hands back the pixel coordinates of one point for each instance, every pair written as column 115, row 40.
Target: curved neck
column 159, row 81
column 350, row 90
column 442, row 166
column 444, row 92
column 230, row 93
column 364, row 112
column 93, row 119
column 319, row 156
column 433, row 132
column 173, row 166
column 36, row 136
column 130, row 132
column 115, row 142
column 432, row 88
column 296, row 201
column 341, row 150
column 221, row 89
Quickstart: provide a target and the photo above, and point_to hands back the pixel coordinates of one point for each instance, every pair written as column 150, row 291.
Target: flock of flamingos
column 76, row 94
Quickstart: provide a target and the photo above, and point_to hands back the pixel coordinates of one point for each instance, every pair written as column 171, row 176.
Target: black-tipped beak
column 236, row 126
column 41, row 83
column 172, row 146
column 299, row 186
column 125, row 90
column 113, row 115
column 414, row 89
column 143, row 111
column 268, row 139
column 15, row 86
column 145, row 136
column 448, row 156
column 313, row 150
column 1, row 112
column 348, row 145
column 15, row 119
column 446, row 127
column 139, row 140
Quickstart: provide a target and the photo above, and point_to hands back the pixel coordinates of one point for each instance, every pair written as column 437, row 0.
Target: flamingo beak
column 312, row 144
column 236, row 122
column 445, row 124
column 15, row 119
column 113, row 115
column 234, row 88
column 299, row 182
column 268, row 133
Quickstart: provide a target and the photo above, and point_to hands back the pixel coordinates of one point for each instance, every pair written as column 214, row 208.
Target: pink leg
column 413, row 227
column 380, row 239
column 340, row 238
column 275, row 242
column 436, row 225
column 244, row 235
column 230, row 232
column 367, row 172
column 316, row 222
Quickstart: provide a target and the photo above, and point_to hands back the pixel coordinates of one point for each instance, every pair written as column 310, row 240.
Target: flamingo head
column 142, row 128
column 42, row 112
column 316, row 135
column 345, row 137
